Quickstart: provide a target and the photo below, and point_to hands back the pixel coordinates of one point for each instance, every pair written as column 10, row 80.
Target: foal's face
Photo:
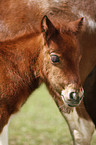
column 61, row 64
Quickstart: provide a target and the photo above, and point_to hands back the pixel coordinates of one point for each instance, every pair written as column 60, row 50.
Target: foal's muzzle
column 72, row 97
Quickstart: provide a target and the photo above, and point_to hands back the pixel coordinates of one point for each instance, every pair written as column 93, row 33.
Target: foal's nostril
column 74, row 96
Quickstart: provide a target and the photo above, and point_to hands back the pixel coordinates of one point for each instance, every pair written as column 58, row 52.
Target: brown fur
column 25, row 51
column 25, row 63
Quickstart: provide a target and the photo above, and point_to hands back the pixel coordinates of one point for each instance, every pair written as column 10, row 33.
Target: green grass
column 39, row 122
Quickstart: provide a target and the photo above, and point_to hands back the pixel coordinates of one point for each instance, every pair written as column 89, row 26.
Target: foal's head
column 61, row 57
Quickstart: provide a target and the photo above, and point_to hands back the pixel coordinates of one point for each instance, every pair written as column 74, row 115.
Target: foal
column 51, row 56
column 30, row 55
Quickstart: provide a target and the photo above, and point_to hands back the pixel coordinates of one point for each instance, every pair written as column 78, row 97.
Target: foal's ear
column 47, row 28
column 77, row 26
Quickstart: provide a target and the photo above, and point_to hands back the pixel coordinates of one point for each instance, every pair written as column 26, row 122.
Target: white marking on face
column 66, row 93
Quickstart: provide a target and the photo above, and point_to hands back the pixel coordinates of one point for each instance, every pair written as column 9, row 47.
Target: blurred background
column 39, row 122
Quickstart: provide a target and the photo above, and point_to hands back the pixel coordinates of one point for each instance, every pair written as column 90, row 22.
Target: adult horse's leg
column 4, row 136
column 4, row 119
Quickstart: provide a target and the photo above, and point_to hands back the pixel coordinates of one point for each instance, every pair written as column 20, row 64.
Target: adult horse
column 36, row 48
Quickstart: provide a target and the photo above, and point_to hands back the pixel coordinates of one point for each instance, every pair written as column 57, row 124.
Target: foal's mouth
column 72, row 103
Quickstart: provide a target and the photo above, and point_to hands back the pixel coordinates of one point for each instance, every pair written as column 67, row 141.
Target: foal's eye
column 54, row 58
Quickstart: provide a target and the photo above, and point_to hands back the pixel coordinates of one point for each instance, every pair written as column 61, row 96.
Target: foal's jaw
column 72, row 97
